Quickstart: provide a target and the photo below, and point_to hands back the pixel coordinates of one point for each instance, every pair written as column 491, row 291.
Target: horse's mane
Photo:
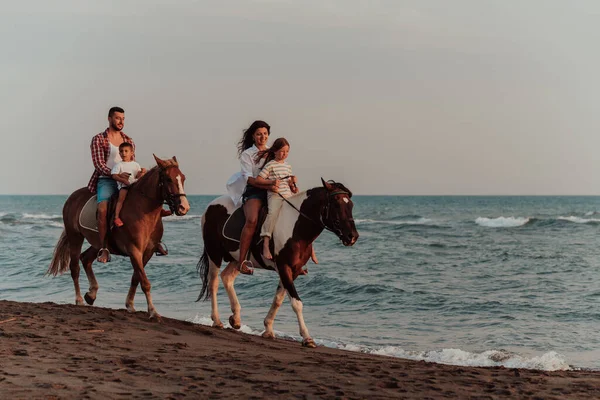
column 153, row 172
column 337, row 185
column 148, row 177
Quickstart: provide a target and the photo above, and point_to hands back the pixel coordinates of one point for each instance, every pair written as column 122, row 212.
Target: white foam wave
column 502, row 222
column 420, row 221
column 579, row 220
column 2, row 214
column 550, row 361
column 41, row 216
column 175, row 218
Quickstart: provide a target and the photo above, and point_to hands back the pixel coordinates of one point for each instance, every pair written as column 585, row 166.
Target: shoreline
column 66, row 351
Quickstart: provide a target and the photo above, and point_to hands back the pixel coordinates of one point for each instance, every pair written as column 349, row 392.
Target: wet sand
column 64, row 351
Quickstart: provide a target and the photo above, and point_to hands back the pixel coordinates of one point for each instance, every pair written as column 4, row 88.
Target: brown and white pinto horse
column 137, row 238
column 300, row 222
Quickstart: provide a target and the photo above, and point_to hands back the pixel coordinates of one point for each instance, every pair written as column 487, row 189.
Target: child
column 132, row 168
column 276, row 168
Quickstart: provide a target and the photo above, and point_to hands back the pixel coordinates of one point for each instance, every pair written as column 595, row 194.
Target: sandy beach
column 56, row 351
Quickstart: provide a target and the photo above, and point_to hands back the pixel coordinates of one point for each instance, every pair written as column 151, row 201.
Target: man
column 105, row 154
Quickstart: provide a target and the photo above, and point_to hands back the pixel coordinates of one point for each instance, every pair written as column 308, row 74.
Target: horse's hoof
column 218, row 325
column 268, row 335
column 234, row 324
column 79, row 301
column 308, row 342
column 155, row 316
column 89, row 299
column 130, row 309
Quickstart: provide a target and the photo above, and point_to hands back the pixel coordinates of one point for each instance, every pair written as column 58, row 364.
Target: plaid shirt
column 100, row 147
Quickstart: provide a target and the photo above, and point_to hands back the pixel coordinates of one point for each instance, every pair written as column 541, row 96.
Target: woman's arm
column 263, row 183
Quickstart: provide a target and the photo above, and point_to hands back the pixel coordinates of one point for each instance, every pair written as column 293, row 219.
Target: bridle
column 168, row 198
column 322, row 223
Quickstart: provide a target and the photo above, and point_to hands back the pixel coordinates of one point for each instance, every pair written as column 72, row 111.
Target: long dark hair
column 247, row 140
column 270, row 153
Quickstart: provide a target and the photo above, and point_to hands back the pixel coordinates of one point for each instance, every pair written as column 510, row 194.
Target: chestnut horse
column 137, row 238
column 301, row 220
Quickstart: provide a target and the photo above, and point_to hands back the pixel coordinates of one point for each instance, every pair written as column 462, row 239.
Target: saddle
column 88, row 219
column 232, row 229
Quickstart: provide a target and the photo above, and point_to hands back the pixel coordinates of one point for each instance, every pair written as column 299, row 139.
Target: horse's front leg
column 138, row 269
column 228, row 276
column 277, row 301
column 135, row 282
column 287, row 279
column 131, row 293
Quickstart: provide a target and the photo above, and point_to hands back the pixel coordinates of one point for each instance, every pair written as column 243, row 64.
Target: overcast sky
column 389, row 97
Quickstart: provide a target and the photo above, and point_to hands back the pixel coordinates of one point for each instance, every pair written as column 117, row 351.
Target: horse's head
column 337, row 216
column 171, row 182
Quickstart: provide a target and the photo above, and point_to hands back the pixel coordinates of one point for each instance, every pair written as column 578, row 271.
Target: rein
column 168, row 198
column 320, row 223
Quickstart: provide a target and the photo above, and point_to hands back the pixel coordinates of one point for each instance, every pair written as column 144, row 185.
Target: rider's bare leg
column 122, row 195
column 266, row 251
column 251, row 210
column 103, row 255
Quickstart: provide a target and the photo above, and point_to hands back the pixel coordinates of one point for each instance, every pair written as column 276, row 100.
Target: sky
column 474, row 97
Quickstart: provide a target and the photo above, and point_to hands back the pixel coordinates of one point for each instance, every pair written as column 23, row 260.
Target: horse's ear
column 175, row 159
column 326, row 185
column 159, row 162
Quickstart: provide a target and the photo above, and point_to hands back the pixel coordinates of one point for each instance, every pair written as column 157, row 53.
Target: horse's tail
column 203, row 267
column 61, row 257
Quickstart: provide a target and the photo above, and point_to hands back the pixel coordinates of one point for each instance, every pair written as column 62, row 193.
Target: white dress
column 249, row 168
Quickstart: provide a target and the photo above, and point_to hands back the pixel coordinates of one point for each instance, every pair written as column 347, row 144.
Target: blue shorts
column 106, row 188
column 252, row 192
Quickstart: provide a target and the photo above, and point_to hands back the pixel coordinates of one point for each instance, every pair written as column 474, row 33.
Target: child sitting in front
column 132, row 168
column 276, row 168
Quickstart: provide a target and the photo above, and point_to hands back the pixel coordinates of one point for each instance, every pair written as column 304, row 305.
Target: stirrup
column 165, row 249
column 100, row 251
column 245, row 269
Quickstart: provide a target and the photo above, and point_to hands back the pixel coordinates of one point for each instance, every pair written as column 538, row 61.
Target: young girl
column 132, row 168
column 276, row 168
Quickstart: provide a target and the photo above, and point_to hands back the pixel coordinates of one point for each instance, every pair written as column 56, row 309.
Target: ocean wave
column 175, row 218
column 579, row 220
column 420, row 221
column 550, row 361
column 502, row 222
column 54, row 217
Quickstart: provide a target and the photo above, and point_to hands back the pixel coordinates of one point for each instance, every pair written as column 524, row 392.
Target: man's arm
column 98, row 156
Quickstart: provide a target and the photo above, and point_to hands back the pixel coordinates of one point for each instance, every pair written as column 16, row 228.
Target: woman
column 243, row 186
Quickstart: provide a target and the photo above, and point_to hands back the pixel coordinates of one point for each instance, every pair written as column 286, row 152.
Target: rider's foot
column 161, row 249
column 103, row 255
column 267, row 253
column 165, row 213
column 246, row 267
column 118, row 222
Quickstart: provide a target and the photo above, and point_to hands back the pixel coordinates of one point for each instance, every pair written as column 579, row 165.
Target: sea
column 461, row 280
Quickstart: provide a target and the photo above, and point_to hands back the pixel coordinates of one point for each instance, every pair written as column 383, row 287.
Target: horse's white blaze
column 179, row 184
column 184, row 201
column 346, row 200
